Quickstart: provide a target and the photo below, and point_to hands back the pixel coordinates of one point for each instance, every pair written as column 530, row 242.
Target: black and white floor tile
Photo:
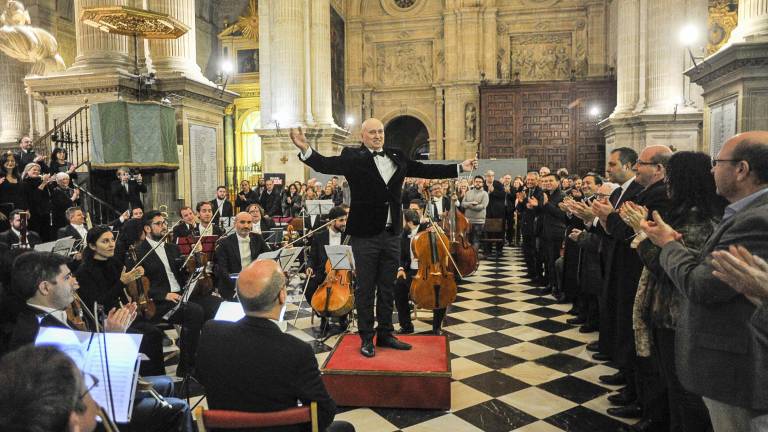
column 516, row 364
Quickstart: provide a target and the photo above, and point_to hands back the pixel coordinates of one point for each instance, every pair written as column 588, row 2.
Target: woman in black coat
column 36, row 188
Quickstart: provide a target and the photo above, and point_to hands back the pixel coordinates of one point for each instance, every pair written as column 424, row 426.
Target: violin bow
column 161, row 241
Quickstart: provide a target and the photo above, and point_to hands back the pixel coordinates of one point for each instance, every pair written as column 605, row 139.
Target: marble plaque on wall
column 722, row 124
column 203, row 166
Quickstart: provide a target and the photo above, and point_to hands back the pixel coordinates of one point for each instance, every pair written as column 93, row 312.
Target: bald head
column 650, row 165
column 372, row 134
column 742, row 165
column 260, row 288
column 243, row 224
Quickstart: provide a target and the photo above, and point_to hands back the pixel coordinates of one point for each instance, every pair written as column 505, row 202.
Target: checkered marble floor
column 516, row 364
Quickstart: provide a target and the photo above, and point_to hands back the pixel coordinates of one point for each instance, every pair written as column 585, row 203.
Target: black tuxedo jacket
column 553, row 219
column 123, row 200
column 184, row 230
column 250, row 365
column 405, row 246
column 226, row 210
column 22, row 159
column 228, row 259
column 317, row 256
column 159, row 285
column 9, row 238
column 28, row 323
column 67, row 231
column 527, row 218
column 433, row 209
column 370, row 195
column 272, row 202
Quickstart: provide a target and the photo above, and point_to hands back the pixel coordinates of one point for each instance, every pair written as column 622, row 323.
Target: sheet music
column 87, row 351
column 62, row 246
column 318, row 207
column 285, row 257
column 341, row 257
column 233, row 312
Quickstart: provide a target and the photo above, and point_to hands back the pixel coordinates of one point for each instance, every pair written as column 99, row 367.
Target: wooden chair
column 493, row 233
column 226, row 419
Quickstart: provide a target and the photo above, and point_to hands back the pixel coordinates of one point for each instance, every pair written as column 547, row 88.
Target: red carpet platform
column 418, row 378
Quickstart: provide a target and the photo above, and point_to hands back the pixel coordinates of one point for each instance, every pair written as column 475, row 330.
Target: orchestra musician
column 162, row 268
column 207, row 225
column 188, row 225
column 409, row 265
column 317, row 257
column 13, row 235
column 261, row 222
column 439, row 204
column 222, row 204
column 236, row 252
column 76, row 226
column 375, row 176
column 126, row 190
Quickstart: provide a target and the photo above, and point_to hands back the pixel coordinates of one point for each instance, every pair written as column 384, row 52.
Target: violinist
column 188, row 226
column 13, row 235
column 317, row 257
column 261, row 222
column 409, row 265
column 162, row 266
column 236, row 252
column 103, row 280
column 207, row 226
column 439, row 204
column 375, row 175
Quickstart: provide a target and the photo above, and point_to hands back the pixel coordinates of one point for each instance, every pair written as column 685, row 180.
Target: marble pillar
column 753, row 22
column 627, row 57
column 320, row 49
column 666, row 57
column 97, row 50
column 172, row 58
column 14, row 111
column 286, row 62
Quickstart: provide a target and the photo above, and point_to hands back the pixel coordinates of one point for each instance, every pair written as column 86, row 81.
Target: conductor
column 375, row 176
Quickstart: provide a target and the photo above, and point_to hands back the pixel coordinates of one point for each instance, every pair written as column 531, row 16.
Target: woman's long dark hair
column 93, row 236
column 3, row 171
column 690, row 183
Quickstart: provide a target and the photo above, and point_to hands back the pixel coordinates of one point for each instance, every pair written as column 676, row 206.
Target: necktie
column 379, row 153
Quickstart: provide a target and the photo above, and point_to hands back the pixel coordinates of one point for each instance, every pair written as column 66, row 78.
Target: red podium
column 418, row 378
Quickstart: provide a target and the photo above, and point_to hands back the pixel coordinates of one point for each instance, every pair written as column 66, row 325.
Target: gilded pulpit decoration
column 722, row 19
column 27, row 44
column 130, row 21
column 544, row 57
column 404, row 63
column 249, row 24
column 470, row 122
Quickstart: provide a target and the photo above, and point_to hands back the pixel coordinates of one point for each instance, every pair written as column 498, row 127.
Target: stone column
column 14, row 111
column 490, row 44
column 320, row 51
column 753, row 22
column 666, row 58
column 176, row 57
column 627, row 56
column 287, row 61
column 97, row 50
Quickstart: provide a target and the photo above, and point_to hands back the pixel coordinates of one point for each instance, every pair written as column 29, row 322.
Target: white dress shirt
column 160, row 251
column 59, row 314
column 438, row 202
column 334, row 238
column 81, row 230
column 256, row 227
column 245, row 251
column 414, row 260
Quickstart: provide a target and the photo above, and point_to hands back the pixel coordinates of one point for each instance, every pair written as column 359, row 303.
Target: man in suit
column 162, row 266
column 236, row 251
column 222, row 204
column 439, row 205
column 495, row 208
column 527, row 220
column 261, row 223
column 126, row 191
column 207, row 225
column 250, row 365
column 317, row 257
column 12, row 236
column 409, row 265
column 76, row 226
column 718, row 355
column 375, row 177
column 270, row 199
column 26, row 154
column 552, row 220
column 188, row 225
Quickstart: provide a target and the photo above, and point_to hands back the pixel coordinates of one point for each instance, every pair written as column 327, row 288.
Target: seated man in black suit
column 11, row 237
column 222, row 204
column 207, row 225
column 250, row 365
column 261, row 222
column 188, row 227
column 126, row 190
column 236, row 251
column 76, row 226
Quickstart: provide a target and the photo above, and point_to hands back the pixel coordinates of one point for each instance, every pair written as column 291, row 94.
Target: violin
column 456, row 226
column 335, row 296
column 138, row 291
column 434, row 285
column 195, row 260
column 75, row 316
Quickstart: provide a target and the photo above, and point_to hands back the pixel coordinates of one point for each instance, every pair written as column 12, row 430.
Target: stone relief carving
column 27, row 44
column 470, row 121
column 404, row 63
column 544, row 56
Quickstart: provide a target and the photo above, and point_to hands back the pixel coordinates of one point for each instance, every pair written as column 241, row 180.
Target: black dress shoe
column 630, row 411
column 367, row 349
column 405, row 330
column 615, row 379
column 601, row 356
column 392, row 342
column 587, row 328
column 575, row 321
column 546, row 290
column 593, row 346
column 622, row 398
column 648, row 425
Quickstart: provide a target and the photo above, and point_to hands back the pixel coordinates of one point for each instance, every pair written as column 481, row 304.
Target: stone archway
column 410, row 135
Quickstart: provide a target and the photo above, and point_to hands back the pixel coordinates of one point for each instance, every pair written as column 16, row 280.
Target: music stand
column 285, row 257
column 273, row 236
column 318, row 207
column 186, row 244
column 64, row 246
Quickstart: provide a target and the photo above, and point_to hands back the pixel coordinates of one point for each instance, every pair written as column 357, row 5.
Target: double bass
column 335, row 297
column 434, row 285
column 456, row 226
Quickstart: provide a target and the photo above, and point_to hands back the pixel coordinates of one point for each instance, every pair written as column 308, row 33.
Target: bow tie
column 379, row 153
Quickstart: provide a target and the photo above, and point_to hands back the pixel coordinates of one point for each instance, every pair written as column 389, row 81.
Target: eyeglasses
column 716, row 161
column 89, row 382
column 640, row 162
column 159, row 223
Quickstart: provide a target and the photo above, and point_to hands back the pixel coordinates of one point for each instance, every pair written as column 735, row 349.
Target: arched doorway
column 409, row 135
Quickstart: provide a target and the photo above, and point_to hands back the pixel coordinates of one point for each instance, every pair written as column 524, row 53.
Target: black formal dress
column 125, row 199
column 61, row 200
column 375, row 201
column 13, row 193
column 228, row 260
column 250, row 365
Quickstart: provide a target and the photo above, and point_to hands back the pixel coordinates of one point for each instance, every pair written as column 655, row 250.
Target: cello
column 335, row 297
column 456, row 226
column 434, row 285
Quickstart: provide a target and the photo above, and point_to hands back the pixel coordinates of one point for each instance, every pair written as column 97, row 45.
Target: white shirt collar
column 18, row 233
column 56, row 313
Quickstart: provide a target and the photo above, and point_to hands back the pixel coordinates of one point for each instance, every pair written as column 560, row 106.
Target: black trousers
column 191, row 317
column 151, row 346
column 551, row 250
column 687, row 410
column 402, row 299
column 530, row 255
column 376, row 258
